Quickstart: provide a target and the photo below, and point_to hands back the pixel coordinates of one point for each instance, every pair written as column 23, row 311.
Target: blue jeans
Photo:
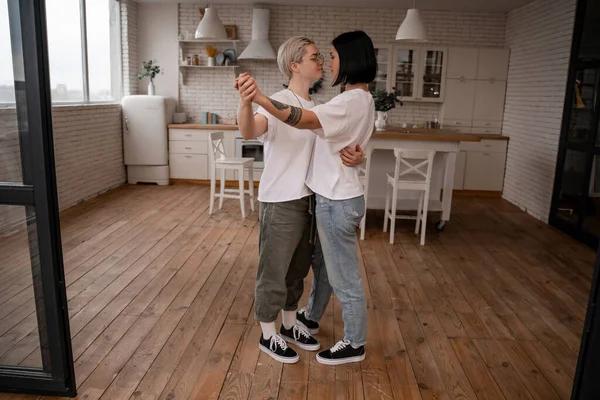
column 336, row 266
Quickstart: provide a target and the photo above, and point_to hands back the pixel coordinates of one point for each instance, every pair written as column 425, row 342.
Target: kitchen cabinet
column 459, row 101
column 484, row 165
column 462, row 63
column 492, row 64
column 188, row 153
column 489, row 100
column 415, row 73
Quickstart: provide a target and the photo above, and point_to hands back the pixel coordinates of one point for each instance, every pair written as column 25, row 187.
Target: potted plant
column 211, row 52
column 150, row 69
column 384, row 102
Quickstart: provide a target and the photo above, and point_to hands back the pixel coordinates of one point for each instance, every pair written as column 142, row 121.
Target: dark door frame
column 38, row 194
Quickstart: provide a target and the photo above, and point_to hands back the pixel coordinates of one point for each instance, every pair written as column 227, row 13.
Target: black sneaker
column 311, row 326
column 277, row 348
column 341, row 353
column 299, row 336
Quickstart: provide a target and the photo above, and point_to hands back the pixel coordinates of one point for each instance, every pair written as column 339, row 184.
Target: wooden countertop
column 433, row 134
column 212, row 127
column 391, row 133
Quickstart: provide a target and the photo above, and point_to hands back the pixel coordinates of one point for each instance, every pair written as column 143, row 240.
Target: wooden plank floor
column 160, row 302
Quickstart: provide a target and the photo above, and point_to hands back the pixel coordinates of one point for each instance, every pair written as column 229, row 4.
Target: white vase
column 151, row 89
column 211, row 61
column 381, row 122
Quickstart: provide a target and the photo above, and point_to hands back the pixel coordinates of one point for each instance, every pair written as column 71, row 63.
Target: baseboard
column 206, row 182
column 477, row 193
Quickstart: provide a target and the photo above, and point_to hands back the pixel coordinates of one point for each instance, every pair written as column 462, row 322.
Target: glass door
column 405, row 73
column 433, row 75
column 381, row 80
column 35, row 346
column 576, row 200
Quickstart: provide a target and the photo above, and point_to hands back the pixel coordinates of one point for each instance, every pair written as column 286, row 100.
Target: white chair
column 218, row 159
column 412, row 172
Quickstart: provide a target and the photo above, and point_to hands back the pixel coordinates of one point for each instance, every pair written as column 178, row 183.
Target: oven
column 250, row 148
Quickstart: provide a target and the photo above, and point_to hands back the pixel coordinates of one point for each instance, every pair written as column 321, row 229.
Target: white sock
column 268, row 329
column 288, row 319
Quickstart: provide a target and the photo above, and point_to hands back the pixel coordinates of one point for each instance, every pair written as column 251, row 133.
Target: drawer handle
column 188, row 134
column 487, row 130
column 486, row 154
column 188, row 148
column 487, row 145
column 457, row 123
column 188, row 156
column 487, row 124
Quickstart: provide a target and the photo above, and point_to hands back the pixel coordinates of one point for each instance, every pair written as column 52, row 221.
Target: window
column 7, row 90
column 75, row 28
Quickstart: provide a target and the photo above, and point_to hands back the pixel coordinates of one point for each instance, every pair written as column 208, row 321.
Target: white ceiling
column 453, row 5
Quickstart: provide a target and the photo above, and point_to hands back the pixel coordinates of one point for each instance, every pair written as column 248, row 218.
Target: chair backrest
column 413, row 165
column 217, row 147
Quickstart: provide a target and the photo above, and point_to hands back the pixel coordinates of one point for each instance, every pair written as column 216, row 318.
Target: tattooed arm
column 293, row 116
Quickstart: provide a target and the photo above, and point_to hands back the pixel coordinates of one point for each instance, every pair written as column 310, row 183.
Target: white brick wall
column 210, row 90
column 88, row 148
column 129, row 49
column 539, row 37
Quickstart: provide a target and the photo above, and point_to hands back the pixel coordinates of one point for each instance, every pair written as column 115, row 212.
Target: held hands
column 351, row 157
column 248, row 89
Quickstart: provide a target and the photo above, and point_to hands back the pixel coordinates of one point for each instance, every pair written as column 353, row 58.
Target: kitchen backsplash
column 212, row 90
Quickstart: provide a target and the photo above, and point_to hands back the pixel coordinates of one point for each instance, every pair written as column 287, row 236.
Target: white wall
column 88, row 150
column 157, row 40
column 539, row 37
column 212, row 90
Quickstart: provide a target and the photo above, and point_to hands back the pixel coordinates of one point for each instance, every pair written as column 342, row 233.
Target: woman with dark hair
column 346, row 120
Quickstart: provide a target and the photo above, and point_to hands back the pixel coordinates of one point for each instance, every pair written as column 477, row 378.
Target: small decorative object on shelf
column 150, row 69
column 231, row 32
column 195, row 60
column 314, row 88
column 211, row 52
column 384, row 102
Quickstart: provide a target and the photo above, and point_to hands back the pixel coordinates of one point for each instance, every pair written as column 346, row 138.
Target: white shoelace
column 299, row 331
column 341, row 345
column 302, row 310
column 277, row 340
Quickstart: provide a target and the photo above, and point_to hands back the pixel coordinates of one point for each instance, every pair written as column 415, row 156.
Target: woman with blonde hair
column 286, row 203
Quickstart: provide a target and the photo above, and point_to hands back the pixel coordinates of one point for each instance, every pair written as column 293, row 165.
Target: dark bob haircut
column 358, row 63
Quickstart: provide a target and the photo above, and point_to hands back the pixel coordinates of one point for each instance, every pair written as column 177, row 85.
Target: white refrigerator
column 145, row 138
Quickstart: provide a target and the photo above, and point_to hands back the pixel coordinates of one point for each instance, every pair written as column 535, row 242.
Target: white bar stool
column 412, row 172
column 218, row 159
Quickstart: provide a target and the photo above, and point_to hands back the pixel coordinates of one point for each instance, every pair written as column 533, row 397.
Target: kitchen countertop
column 390, row 133
column 204, row 126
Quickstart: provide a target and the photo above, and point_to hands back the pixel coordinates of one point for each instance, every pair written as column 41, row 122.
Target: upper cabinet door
column 382, row 81
column 462, row 63
column 405, row 72
column 459, row 100
column 433, row 77
column 492, row 64
column 489, row 100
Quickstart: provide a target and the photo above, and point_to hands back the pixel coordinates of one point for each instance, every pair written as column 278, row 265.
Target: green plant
column 384, row 101
column 150, row 69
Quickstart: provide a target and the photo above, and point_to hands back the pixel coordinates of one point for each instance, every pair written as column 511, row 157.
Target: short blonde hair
column 291, row 50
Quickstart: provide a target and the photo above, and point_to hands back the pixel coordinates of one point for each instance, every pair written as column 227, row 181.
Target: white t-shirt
column 346, row 120
column 287, row 155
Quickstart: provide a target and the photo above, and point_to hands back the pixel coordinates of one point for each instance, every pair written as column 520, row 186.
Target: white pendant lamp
column 211, row 27
column 412, row 28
